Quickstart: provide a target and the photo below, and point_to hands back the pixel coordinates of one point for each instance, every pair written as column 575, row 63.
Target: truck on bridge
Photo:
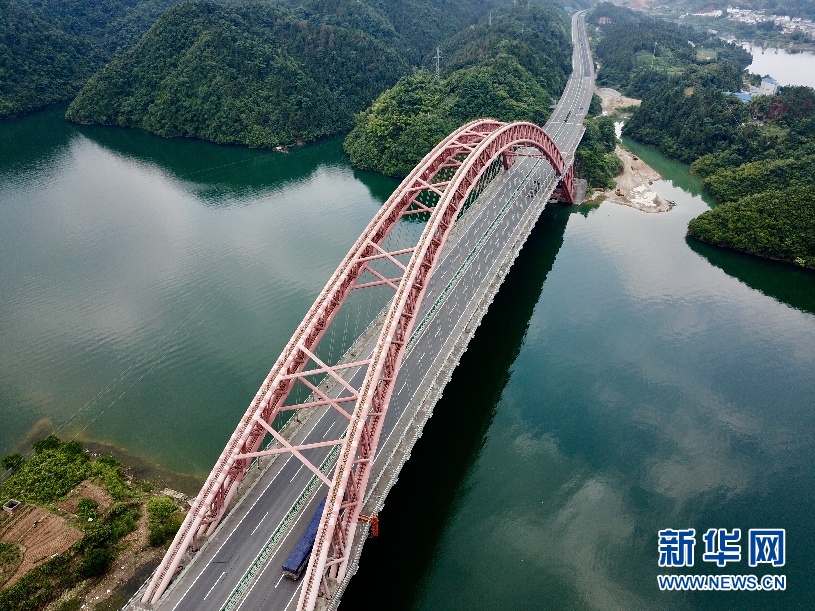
column 298, row 559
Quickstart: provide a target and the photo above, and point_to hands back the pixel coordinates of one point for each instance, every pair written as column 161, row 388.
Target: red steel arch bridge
column 506, row 172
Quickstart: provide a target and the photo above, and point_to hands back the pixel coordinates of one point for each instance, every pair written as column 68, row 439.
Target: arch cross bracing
column 437, row 190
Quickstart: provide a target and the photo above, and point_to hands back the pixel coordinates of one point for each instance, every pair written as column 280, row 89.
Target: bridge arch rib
column 335, row 535
column 466, row 153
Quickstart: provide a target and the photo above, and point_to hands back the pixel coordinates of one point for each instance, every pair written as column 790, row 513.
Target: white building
column 768, row 86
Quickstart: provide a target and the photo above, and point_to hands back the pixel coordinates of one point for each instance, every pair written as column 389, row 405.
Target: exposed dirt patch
column 613, row 100
column 633, row 185
column 87, row 490
column 40, row 534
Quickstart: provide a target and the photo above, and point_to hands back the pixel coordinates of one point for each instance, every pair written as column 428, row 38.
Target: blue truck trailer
column 298, row 559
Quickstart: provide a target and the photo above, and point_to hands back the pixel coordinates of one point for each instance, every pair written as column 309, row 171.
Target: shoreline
column 140, row 467
column 632, row 185
column 742, row 251
column 134, row 557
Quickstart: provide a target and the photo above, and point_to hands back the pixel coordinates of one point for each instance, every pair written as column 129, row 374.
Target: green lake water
column 624, row 380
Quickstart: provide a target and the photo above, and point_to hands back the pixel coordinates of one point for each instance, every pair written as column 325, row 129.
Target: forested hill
column 637, row 52
column 508, row 69
column 49, row 48
column 412, row 27
column 763, row 172
column 756, row 159
column 241, row 73
column 266, row 73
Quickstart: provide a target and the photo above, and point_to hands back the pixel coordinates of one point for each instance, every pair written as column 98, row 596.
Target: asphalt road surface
column 239, row 567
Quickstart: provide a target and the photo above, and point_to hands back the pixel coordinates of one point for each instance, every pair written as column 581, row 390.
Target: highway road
column 239, row 566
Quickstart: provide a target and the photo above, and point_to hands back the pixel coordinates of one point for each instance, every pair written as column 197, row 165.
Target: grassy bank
column 86, row 524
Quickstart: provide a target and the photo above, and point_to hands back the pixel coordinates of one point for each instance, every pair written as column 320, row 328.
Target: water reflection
column 781, row 281
column 218, row 175
column 29, row 145
column 145, row 276
column 678, row 172
column 421, row 507
column 381, row 187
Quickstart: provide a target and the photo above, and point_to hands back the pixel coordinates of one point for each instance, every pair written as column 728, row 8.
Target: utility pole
column 490, row 18
column 438, row 57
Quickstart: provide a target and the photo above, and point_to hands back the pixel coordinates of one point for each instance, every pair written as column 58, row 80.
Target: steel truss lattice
column 437, row 189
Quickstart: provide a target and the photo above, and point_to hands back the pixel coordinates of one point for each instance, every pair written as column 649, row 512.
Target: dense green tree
column 405, row 122
column 49, row 48
column 47, row 476
column 595, row 160
column 537, row 36
column 732, row 184
column 504, row 70
column 243, row 73
column 414, row 27
column 12, row 461
column 164, row 520
column 56, row 468
column 52, row 442
column 687, row 116
column 94, row 563
column 775, row 224
column 87, row 509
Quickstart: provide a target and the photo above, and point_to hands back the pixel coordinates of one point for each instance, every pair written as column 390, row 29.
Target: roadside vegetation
column 595, row 160
column 87, row 534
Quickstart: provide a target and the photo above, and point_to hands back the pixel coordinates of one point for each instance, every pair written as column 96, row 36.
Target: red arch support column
column 332, row 548
column 466, row 154
column 564, row 192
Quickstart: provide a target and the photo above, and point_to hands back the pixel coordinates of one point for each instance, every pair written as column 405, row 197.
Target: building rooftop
column 744, row 97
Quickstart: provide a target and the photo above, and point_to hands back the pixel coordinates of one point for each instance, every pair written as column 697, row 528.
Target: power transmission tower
column 438, row 58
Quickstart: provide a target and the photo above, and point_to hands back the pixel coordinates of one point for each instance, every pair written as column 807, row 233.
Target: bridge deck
column 239, row 566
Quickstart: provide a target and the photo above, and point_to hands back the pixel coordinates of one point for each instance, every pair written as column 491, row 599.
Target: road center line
column 261, row 522
column 214, row 584
column 295, row 474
